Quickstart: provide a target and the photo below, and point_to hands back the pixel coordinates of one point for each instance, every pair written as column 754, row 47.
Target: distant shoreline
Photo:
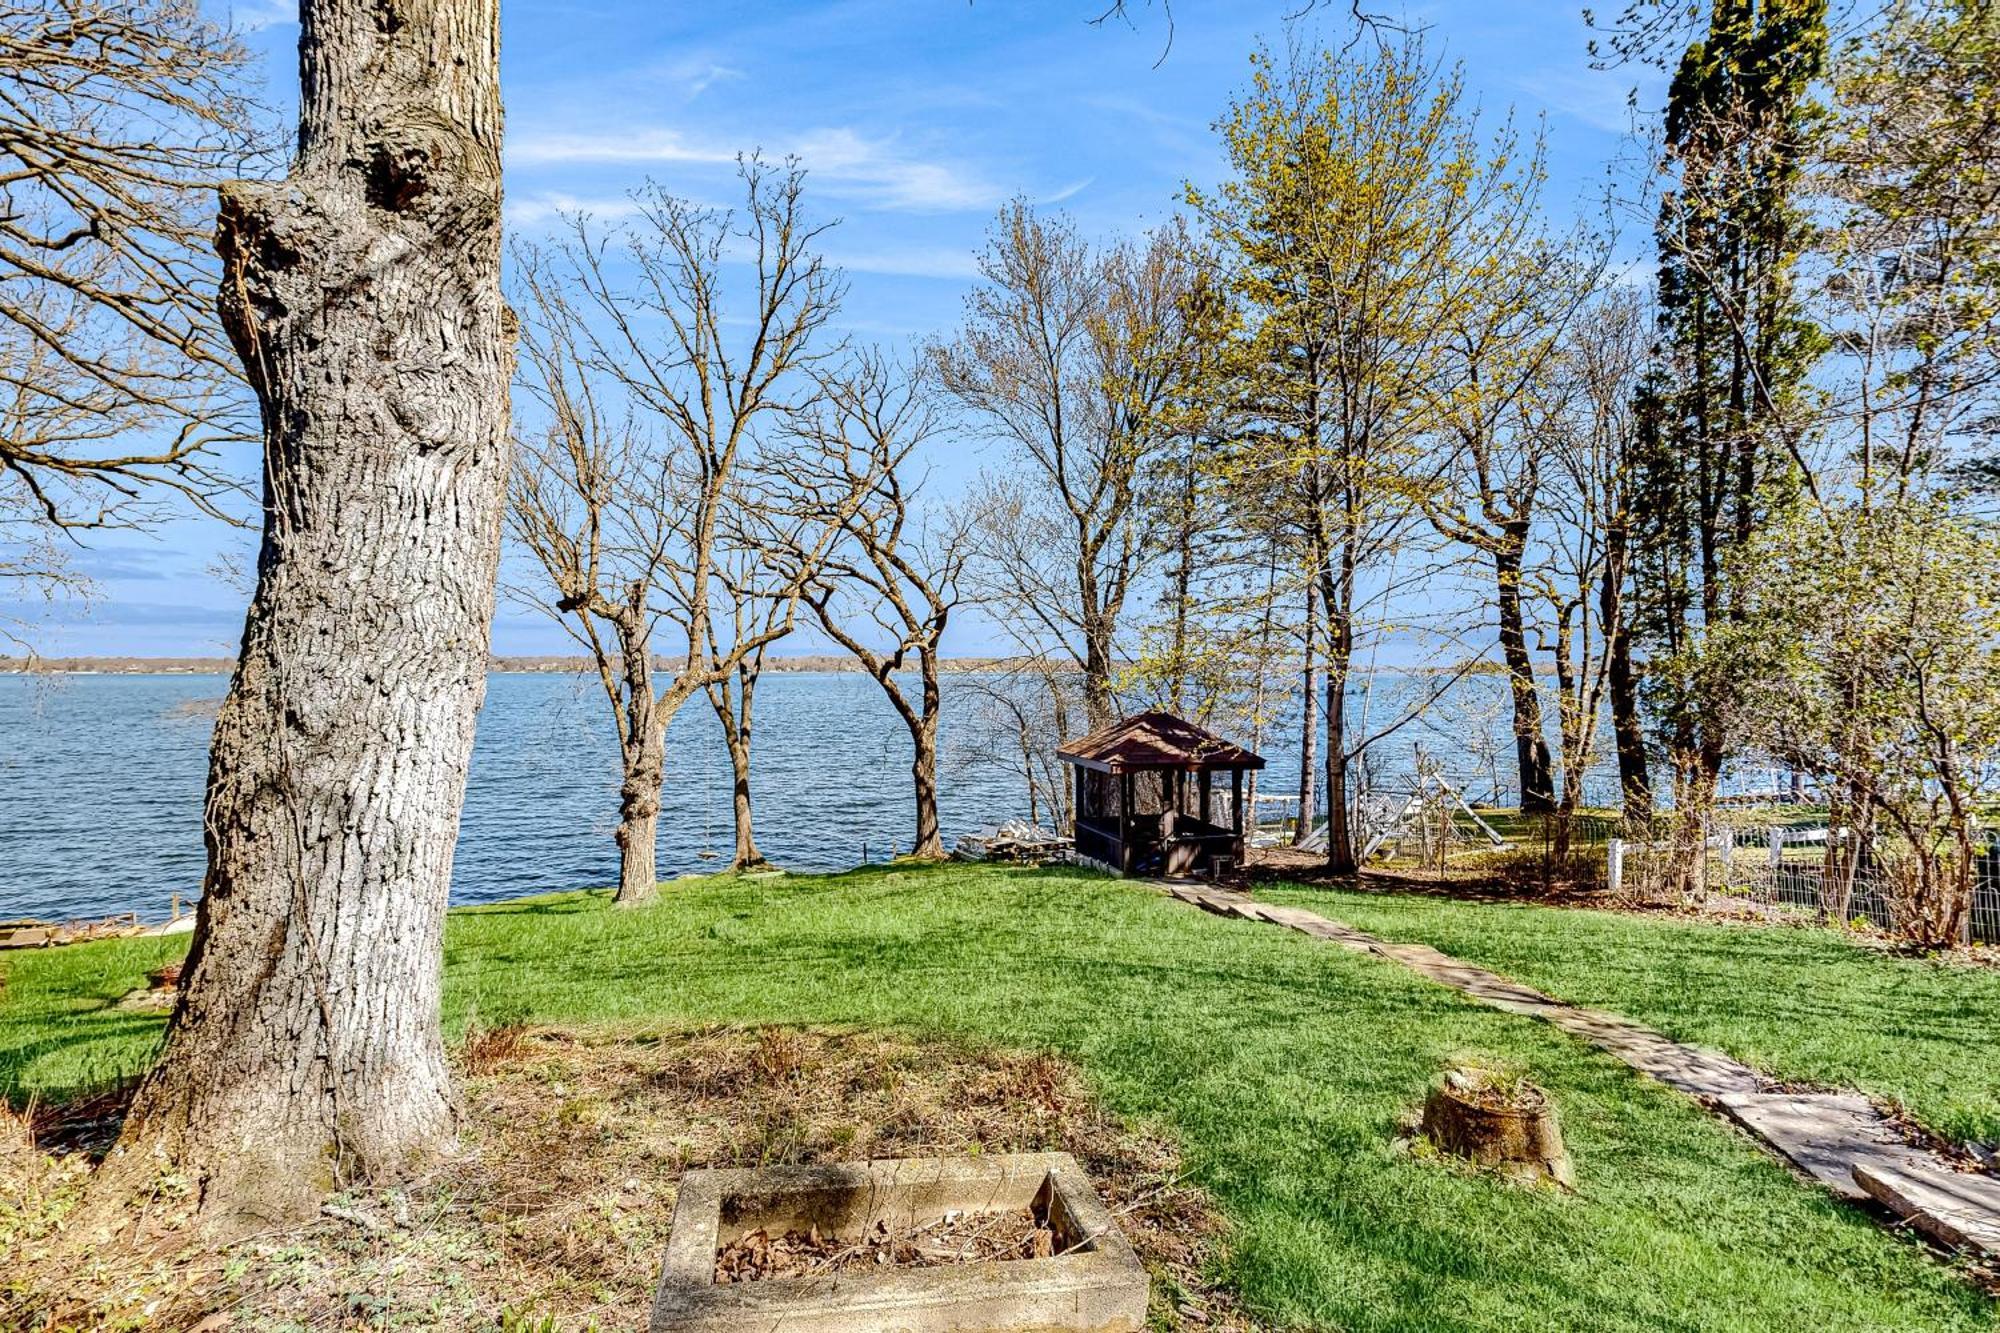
column 552, row 666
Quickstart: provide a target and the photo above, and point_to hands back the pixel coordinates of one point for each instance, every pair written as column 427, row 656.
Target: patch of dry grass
column 555, row 1215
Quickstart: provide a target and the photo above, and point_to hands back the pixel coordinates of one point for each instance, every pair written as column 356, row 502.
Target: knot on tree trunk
column 420, row 165
column 259, row 238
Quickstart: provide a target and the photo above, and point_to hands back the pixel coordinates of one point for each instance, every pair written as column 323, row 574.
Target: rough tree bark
column 1340, row 852
column 735, row 717
column 642, row 745
column 1308, row 722
column 929, row 842
column 363, row 295
column 1531, row 748
column 1336, row 582
column 1635, row 782
column 1100, row 703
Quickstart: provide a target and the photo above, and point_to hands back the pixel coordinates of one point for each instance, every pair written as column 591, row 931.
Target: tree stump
column 1509, row 1125
column 162, row 988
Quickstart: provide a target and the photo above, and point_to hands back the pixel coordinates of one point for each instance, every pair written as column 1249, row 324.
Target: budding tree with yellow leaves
column 1356, row 232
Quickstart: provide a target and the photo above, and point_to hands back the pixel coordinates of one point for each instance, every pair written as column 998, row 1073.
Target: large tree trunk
column 1336, row 599
column 1531, row 748
column 736, row 731
column 363, row 295
column 929, row 842
column 645, row 764
column 1309, row 723
column 1622, row 685
column 1340, row 857
column 1099, row 704
column 746, row 855
column 1634, row 779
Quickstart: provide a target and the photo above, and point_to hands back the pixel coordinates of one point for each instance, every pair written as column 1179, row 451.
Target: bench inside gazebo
column 1145, row 797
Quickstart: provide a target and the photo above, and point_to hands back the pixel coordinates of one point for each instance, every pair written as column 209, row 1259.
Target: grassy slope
column 1797, row 1003
column 1284, row 1065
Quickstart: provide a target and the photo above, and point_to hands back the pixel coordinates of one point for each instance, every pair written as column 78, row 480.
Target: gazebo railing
column 1098, row 840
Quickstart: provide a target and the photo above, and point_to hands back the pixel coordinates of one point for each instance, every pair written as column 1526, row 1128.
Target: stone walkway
column 1836, row 1138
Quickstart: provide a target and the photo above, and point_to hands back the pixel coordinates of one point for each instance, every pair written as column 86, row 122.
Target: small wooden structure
column 1135, row 812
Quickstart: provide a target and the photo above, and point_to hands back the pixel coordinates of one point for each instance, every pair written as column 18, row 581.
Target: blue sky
column 916, row 119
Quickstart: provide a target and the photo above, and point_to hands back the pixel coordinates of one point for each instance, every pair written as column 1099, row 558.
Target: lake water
column 101, row 781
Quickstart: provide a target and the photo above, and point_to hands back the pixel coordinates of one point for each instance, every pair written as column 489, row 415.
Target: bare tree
column 1075, row 359
column 591, row 501
column 36, row 556
column 118, row 118
column 636, row 525
column 1495, row 357
column 1603, row 363
column 887, row 590
column 362, row 294
column 1021, row 712
column 758, row 597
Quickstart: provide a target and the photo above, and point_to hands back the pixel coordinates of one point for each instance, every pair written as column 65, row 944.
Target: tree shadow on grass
column 82, row 1115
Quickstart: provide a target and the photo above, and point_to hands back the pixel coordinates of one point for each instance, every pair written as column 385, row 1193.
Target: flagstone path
column 1837, row 1138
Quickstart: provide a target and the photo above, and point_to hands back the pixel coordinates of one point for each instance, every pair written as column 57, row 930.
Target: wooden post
column 1076, row 812
column 1206, row 796
column 1125, row 824
column 1236, row 800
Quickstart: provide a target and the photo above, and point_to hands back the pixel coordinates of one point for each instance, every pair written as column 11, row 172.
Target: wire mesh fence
column 1814, row 870
column 1802, row 867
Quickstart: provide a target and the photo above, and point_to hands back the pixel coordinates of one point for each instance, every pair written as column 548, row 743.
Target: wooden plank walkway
column 1837, row 1139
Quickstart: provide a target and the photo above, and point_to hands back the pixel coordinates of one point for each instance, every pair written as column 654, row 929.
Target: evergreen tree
column 1723, row 425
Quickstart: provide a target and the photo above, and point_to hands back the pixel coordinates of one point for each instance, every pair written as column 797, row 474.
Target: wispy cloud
column 641, row 147
column 1069, row 191
column 911, row 261
column 695, row 77
column 873, row 173
column 1597, row 98
column 878, row 173
column 257, row 15
column 531, row 210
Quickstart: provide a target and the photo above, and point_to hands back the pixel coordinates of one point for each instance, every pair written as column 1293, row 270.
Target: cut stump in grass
column 1492, row 1121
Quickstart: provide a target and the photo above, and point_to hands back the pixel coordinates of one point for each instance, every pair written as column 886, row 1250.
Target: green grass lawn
column 1798, row 1003
column 1283, row 1065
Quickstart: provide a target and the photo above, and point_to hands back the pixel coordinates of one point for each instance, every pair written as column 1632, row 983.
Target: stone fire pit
column 1092, row 1281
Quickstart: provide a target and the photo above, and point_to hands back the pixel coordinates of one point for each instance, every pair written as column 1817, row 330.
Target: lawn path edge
column 1839, row 1139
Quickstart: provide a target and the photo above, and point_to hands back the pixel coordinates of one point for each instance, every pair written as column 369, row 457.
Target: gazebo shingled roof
column 1156, row 741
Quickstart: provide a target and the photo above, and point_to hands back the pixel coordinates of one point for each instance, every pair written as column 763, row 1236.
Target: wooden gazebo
column 1135, row 813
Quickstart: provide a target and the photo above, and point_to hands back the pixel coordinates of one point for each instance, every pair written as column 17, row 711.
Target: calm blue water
column 101, row 781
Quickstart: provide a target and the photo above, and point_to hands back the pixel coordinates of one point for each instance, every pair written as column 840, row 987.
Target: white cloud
column 874, row 173
column 1069, row 191
column 697, row 77
column 645, row 146
column 528, row 210
column 911, row 261
column 257, row 15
